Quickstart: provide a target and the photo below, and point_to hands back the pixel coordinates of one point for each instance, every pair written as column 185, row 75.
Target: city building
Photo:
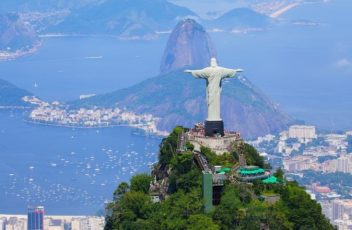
column 320, row 189
column 299, row 163
column 14, row 223
column 341, row 209
column 326, row 206
column 344, row 224
column 303, row 132
column 339, row 141
column 19, row 222
column 2, row 223
column 344, row 164
column 35, row 219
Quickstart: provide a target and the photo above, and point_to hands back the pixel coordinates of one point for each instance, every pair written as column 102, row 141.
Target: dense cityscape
column 321, row 162
column 56, row 114
column 36, row 219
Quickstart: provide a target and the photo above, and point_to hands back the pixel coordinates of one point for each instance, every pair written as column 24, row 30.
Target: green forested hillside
column 241, row 205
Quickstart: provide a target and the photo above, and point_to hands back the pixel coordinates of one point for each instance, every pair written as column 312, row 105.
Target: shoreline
column 146, row 133
column 10, row 56
column 74, row 126
column 28, row 120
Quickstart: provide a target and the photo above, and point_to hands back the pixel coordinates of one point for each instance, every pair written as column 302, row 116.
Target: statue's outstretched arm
column 229, row 73
column 196, row 73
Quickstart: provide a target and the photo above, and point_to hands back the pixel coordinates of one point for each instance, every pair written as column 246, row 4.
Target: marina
column 67, row 170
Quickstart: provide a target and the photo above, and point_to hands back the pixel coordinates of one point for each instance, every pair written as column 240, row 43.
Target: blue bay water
column 69, row 171
column 66, row 67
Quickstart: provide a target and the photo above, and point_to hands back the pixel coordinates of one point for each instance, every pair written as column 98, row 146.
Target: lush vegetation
column 242, row 205
column 226, row 160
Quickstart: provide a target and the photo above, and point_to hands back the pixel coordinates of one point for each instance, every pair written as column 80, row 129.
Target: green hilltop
column 243, row 205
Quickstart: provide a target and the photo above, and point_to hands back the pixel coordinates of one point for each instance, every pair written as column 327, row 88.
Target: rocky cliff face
column 188, row 45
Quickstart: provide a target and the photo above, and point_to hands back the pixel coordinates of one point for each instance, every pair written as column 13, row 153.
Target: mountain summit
column 175, row 98
column 188, row 45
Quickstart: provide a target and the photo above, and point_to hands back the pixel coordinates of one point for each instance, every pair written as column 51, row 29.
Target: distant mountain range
column 179, row 99
column 240, row 18
column 125, row 18
column 11, row 95
column 139, row 18
column 15, row 34
column 25, row 6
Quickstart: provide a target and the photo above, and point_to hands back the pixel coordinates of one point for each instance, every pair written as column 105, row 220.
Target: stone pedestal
column 214, row 128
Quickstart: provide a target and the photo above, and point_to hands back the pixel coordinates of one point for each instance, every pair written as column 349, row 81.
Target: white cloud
column 343, row 63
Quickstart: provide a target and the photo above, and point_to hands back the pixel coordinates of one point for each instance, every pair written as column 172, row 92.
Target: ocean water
column 69, row 171
column 66, row 67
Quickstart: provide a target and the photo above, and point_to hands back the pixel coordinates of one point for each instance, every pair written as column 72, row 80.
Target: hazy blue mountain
column 240, row 18
column 179, row 99
column 24, row 6
column 123, row 18
column 15, row 34
column 188, row 45
column 11, row 95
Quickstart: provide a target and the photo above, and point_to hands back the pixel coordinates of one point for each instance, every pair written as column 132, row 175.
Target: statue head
column 213, row 62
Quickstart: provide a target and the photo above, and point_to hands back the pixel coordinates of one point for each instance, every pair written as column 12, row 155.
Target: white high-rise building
column 341, row 209
column 302, row 132
column 343, row 164
column 2, row 223
column 327, row 210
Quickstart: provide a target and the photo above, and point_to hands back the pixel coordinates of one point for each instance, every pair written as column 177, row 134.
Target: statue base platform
column 214, row 128
column 217, row 143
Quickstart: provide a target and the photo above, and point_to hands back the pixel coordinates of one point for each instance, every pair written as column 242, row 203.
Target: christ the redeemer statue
column 214, row 75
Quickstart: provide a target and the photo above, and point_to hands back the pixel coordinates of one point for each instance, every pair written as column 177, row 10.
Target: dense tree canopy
column 242, row 205
column 141, row 182
column 168, row 146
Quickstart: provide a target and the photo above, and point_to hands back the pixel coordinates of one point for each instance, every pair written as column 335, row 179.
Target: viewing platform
column 219, row 144
column 251, row 173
